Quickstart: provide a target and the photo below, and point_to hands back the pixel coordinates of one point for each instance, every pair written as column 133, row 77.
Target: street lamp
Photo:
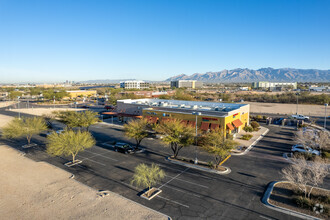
column 18, row 106
column 197, row 114
column 325, row 115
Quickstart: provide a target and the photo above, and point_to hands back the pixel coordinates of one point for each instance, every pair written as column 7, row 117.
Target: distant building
column 274, row 85
column 150, row 94
column 186, row 84
column 318, row 88
column 134, row 84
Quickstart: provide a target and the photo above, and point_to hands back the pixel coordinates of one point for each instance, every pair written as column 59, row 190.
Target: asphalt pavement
column 186, row 193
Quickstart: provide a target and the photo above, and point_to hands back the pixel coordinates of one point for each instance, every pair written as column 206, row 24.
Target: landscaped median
column 203, row 166
column 285, row 197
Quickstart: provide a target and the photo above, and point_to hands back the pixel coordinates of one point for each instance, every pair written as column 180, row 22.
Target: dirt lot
column 289, row 109
column 41, row 111
column 37, row 190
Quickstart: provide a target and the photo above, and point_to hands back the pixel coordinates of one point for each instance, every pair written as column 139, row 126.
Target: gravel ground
column 277, row 108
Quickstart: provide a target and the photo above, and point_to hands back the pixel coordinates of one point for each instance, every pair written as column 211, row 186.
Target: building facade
column 271, row 85
column 134, row 84
column 229, row 117
column 186, row 84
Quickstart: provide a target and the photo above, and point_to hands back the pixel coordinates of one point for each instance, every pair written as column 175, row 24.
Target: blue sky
column 55, row 40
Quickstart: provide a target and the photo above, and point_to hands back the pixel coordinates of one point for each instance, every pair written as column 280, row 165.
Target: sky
column 58, row 40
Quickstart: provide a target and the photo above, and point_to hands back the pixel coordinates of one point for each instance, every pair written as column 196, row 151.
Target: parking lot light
column 196, row 113
column 325, row 114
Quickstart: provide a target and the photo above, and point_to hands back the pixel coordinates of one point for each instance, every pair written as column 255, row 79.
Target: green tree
column 77, row 119
column 136, row 129
column 69, row 143
column 87, row 118
column 14, row 94
column 176, row 135
column 216, row 144
column 24, row 127
column 147, row 176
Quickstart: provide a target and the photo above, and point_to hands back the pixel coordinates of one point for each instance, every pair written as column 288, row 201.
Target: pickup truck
column 300, row 117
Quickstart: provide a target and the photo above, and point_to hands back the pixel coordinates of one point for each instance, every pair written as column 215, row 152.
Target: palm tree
column 136, row 129
column 176, row 134
column 216, row 144
column 69, row 143
column 147, row 176
column 24, row 127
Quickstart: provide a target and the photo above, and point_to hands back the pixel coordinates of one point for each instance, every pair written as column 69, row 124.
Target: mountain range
column 263, row 74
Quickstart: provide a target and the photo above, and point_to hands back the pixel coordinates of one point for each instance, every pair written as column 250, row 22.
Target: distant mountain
column 263, row 74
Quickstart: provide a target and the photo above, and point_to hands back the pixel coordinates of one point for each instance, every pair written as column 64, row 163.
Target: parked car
column 123, row 148
column 304, row 149
column 58, row 132
column 300, row 117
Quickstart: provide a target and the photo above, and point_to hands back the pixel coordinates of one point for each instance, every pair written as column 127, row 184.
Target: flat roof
column 186, row 106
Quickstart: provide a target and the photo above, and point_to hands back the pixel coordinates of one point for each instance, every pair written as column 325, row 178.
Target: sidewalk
column 246, row 145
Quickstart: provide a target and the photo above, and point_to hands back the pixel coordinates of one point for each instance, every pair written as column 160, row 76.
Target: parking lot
column 186, row 193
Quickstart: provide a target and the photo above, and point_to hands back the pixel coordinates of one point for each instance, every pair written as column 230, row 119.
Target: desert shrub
column 230, row 136
column 303, row 202
column 248, row 129
column 258, row 117
column 255, row 125
column 264, row 117
column 326, row 155
column 210, row 164
column 306, row 156
column 247, row 137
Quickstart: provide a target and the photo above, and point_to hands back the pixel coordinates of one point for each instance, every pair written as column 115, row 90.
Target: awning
column 229, row 126
column 237, row 123
column 184, row 122
column 192, row 123
column 214, row 126
column 205, row 126
column 109, row 113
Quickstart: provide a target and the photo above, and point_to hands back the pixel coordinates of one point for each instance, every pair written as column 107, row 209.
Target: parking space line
column 194, row 174
column 85, row 158
column 174, row 177
column 101, row 155
column 191, row 182
column 179, row 190
column 170, row 200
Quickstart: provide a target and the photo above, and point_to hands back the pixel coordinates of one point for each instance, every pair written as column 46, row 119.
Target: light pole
column 19, row 112
column 54, row 101
column 325, row 115
column 196, row 114
column 297, row 94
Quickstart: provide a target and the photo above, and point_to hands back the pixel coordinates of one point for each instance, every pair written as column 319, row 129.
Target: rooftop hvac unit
column 194, row 107
column 182, row 105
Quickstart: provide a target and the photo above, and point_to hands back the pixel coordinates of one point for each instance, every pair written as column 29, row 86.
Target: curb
column 111, row 125
column 252, row 145
column 265, row 199
column 228, row 170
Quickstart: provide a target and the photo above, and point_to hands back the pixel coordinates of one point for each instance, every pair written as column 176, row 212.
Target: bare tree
column 303, row 173
column 297, row 173
column 318, row 171
column 306, row 138
column 323, row 140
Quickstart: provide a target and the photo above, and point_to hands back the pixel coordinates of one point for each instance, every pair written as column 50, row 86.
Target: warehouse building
column 230, row 117
column 186, row 84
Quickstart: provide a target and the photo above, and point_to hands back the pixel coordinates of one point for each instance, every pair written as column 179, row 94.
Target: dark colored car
column 123, row 148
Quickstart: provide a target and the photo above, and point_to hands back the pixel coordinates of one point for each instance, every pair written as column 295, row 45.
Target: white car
column 304, row 149
column 300, row 117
